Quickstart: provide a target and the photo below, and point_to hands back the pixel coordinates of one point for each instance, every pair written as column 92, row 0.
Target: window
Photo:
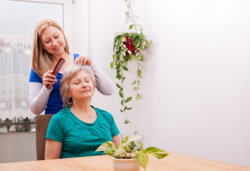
column 18, row 19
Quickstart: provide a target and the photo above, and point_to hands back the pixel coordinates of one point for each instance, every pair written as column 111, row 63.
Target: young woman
column 49, row 46
column 79, row 129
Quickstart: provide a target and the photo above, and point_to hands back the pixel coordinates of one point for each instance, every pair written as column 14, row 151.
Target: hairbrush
column 58, row 66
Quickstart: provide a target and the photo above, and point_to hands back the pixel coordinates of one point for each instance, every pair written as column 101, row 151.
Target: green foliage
column 108, row 148
column 132, row 147
column 128, row 47
column 123, row 55
column 142, row 158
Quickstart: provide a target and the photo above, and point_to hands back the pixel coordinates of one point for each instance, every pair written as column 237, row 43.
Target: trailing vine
column 129, row 46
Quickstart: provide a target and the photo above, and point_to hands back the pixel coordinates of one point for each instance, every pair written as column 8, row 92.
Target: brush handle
column 58, row 66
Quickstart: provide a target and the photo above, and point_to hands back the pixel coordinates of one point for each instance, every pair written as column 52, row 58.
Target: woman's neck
column 69, row 60
column 81, row 106
column 83, row 111
column 64, row 55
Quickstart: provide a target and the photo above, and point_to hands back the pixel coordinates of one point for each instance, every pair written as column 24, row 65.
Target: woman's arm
column 103, row 83
column 52, row 149
column 38, row 97
column 116, row 140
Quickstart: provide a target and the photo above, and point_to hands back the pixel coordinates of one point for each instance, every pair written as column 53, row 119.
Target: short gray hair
column 68, row 74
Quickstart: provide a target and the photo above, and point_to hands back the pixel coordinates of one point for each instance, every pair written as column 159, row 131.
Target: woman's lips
column 85, row 91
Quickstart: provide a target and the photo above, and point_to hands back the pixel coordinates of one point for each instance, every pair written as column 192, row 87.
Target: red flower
column 129, row 45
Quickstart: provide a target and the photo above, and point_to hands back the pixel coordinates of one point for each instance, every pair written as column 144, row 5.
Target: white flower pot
column 126, row 164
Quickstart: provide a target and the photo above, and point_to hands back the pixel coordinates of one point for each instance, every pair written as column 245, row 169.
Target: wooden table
column 174, row 162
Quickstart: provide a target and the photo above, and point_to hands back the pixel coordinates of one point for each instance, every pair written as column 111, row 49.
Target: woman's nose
column 84, row 84
column 54, row 42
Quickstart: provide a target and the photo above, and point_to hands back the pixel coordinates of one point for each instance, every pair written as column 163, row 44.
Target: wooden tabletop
column 174, row 162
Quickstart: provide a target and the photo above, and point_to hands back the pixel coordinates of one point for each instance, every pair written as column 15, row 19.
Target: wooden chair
column 41, row 122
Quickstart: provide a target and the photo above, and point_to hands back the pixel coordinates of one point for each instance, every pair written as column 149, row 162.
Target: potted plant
column 128, row 47
column 130, row 154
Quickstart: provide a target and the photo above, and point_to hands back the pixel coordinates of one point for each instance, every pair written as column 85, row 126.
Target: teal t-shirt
column 79, row 138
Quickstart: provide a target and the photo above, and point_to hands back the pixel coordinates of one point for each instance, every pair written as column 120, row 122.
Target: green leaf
column 139, row 72
column 138, row 96
column 136, row 88
column 117, row 85
column 128, row 147
column 107, row 147
column 125, row 58
column 125, row 108
column 129, row 108
column 121, row 110
column 133, row 83
column 118, row 77
column 124, row 68
column 126, row 121
column 128, row 99
column 124, row 139
column 122, row 102
column 118, row 54
column 140, row 58
column 121, row 94
column 141, row 145
column 158, row 153
column 142, row 158
column 112, row 65
column 119, row 43
column 131, row 26
column 118, row 63
column 123, row 78
column 132, row 56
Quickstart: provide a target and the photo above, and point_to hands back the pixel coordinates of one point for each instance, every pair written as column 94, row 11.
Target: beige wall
column 16, row 147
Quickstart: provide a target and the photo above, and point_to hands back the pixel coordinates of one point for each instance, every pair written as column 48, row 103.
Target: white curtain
column 15, row 65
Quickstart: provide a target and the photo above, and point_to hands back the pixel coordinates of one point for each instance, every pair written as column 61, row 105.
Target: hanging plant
column 129, row 46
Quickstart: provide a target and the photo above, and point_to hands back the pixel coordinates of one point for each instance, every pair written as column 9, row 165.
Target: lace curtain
column 15, row 64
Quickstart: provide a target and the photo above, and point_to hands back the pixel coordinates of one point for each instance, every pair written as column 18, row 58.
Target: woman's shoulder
column 104, row 113
column 61, row 114
column 34, row 77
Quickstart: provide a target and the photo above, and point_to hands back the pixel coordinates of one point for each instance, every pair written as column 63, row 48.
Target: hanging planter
column 129, row 46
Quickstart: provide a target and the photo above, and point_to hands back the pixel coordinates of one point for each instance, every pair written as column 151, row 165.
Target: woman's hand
column 83, row 60
column 49, row 79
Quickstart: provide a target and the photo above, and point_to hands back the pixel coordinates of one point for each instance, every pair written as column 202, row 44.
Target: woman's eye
column 47, row 41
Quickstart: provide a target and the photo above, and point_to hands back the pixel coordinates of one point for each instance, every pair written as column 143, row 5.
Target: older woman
column 80, row 128
column 50, row 44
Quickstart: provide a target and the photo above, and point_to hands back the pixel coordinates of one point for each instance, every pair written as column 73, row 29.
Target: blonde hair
column 68, row 74
column 42, row 61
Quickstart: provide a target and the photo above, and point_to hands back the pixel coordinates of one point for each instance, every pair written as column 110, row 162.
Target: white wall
column 196, row 82
column 80, row 27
